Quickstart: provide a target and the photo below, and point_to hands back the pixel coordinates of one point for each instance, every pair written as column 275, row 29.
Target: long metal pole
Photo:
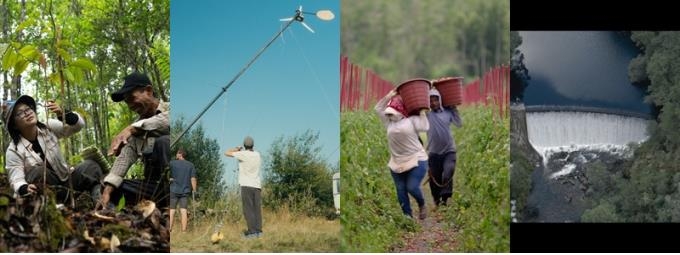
column 224, row 89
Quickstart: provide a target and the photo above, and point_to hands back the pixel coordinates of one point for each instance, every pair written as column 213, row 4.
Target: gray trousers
column 252, row 209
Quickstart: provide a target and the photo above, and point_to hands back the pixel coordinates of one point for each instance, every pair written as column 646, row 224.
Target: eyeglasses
column 23, row 113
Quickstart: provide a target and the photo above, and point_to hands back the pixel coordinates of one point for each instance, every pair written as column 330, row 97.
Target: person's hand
column 120, row 140
column 106, row 196
column 54, row 107
column 424, row 111
column 392, row 93
column 28, row 189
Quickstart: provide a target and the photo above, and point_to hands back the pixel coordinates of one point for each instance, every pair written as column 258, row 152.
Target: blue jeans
column 409, row 183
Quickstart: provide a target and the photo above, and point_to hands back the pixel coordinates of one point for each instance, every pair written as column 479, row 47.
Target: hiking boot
column 423, row 213
column 251, row 235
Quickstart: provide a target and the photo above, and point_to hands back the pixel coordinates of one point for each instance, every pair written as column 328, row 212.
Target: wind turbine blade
column 286, row 19
column 307, row 27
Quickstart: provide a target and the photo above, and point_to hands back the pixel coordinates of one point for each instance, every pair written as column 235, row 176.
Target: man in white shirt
column 249, row 162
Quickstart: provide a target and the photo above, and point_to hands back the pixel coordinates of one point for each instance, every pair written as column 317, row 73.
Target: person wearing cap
column 249, row 162
column 182, row 183
column 34, row 157
column 441, row 148
column 408, row 158
column 148, row 139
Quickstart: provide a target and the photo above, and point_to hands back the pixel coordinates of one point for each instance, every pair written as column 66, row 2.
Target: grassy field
column 480, row 212
column 283, row 232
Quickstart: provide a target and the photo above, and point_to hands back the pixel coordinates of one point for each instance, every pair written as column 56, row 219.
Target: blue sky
column 292, row 87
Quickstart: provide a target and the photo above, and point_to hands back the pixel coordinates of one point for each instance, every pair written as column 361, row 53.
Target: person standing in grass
column 182, row 184
column 249, row 162
column 408, row 158
column 441, row 148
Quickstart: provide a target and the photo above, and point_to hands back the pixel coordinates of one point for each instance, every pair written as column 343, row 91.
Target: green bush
column 482, row 185
column 604, row 212
column 297, row 176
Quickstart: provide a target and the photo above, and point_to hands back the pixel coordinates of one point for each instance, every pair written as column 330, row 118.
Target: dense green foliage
column 205, row 154
column 482, row 185
column 77, row 52
column 297, row 176
column 371, row 218
column 520, row 177
column 402, row 39
column 648, row 190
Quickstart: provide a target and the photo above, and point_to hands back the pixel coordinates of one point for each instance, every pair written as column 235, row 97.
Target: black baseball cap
column 132, row 81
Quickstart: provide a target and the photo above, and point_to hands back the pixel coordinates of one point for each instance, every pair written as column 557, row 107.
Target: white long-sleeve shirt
column 20, row 157
column 402, row 138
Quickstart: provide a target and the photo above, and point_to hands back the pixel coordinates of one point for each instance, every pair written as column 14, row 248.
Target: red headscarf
column 398, row 104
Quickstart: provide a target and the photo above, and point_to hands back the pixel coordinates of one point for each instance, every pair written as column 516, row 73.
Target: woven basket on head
column 415, row 94
column 451, row 90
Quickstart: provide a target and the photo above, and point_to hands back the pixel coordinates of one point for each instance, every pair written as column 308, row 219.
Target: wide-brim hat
column 8, row 108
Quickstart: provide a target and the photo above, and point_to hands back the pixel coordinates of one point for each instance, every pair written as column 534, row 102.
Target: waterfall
column 551, row 131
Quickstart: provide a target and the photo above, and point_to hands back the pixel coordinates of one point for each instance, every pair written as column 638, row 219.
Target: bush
column 604, row 212
column 298, row 177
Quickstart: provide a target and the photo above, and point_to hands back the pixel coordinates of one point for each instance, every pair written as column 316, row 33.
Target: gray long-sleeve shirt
column 439, row 138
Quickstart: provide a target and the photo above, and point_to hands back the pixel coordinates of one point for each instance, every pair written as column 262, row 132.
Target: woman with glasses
column 34, row 157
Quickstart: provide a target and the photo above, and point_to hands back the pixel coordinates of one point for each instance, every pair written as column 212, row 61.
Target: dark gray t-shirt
column 181, row 171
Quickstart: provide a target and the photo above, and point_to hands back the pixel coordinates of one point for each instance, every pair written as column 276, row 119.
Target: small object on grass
column 115, row 242
column 216, row 237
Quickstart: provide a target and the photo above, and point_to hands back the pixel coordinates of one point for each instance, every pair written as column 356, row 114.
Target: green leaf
column 9, row 60
column 54, row 79
column 84, row 63
column 29, row 52
column 23, row 25
column 121, row 203
column 20, row 66
column 69, row 76
column 77, row 74
column 63, row 54
column 64, row 44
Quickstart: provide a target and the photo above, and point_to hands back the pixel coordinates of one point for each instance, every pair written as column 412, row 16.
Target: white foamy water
column 551, row 132
column 567, row 169
column 554, row 129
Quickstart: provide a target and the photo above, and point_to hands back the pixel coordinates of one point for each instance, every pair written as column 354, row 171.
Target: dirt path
column 434, row 236
column 436, row 233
